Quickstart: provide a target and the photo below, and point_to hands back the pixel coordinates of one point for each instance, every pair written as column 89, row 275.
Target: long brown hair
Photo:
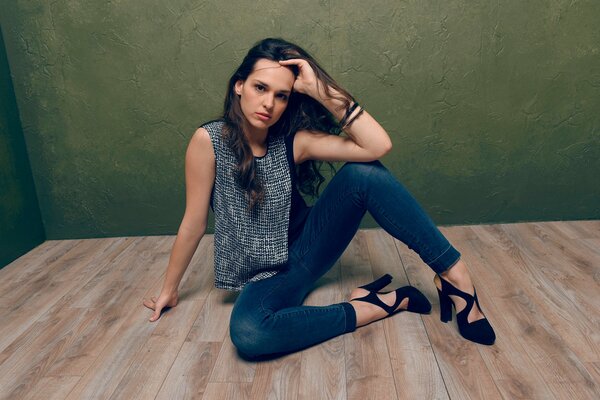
column 302, row 112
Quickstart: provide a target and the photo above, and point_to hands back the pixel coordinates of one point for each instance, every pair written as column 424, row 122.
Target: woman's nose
column 268, row 101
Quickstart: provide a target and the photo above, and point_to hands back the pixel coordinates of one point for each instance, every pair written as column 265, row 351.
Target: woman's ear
column 238, row 87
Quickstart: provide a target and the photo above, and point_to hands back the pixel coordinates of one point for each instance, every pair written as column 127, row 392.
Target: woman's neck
column 255, row 137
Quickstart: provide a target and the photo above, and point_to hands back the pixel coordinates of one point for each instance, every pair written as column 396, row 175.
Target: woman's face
column 264, row 94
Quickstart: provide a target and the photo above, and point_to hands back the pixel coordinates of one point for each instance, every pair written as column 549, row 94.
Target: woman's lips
column 263, row 117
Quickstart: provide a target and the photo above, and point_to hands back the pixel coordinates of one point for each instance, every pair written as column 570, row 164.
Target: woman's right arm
column 199, row 181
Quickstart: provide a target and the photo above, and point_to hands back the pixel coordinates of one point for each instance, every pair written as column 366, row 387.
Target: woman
column 279, row 123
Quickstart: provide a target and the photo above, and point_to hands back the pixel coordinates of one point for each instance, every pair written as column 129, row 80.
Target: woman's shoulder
column 213, row 124
column 205, row 141
column 201, row 143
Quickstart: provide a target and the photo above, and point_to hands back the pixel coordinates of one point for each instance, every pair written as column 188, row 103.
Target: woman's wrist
column 332, row 102
column 170, row 290
column 351, row 116
column 344, row 121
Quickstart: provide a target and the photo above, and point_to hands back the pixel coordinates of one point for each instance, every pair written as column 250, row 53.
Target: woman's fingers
column 163, row 302
column 156, row 315
column 149, row 303
column 302, row 65
column 157, row 309
column 296, row 61
column 306, row 80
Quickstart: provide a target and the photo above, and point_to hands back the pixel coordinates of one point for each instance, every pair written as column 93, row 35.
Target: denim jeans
column 268, row 316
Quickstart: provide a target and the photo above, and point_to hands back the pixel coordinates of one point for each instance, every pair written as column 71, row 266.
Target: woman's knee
column 365, row 172
column 362, row 169
column 248, row 336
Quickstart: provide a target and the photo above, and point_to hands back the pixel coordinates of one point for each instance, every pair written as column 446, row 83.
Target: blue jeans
column 268, row 317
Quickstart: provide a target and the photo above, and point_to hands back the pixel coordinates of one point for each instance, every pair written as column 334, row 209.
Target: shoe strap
column 378, row 284
column 374, row 299
column 477, row 300
column 449, row 289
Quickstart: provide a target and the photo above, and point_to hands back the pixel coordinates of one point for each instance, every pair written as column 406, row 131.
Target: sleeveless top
column 251, row 246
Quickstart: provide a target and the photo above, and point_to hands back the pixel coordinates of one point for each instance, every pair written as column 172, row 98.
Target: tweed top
column 249, row 246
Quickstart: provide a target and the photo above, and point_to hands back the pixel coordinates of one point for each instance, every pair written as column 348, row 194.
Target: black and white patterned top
column 249, row 246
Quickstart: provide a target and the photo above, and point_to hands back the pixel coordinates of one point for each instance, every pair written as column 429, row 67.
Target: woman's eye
column 261, row 88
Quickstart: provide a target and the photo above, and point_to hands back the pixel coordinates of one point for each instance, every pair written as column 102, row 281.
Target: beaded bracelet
column 353, row 118
column 348, row 113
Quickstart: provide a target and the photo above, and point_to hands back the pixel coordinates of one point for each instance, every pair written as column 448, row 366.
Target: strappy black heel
column 479, row 331
column 417, row 302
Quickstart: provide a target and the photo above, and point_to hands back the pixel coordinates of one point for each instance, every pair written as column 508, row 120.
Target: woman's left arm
column 366, row 141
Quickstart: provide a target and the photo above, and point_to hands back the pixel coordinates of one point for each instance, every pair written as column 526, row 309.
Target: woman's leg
column 268, row 318
column 360, row 187
column 355, row 189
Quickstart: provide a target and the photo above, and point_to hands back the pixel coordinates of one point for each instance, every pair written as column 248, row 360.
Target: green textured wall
column 21, row 226
column 492, row 106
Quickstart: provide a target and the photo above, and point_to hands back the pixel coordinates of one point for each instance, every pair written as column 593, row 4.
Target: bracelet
column 353, row 118
column 349, row 111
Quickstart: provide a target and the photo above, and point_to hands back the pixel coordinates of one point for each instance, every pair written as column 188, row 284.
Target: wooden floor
column 73, row 325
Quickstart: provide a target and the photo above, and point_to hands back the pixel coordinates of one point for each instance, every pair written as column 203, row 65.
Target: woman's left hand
column 306, row 81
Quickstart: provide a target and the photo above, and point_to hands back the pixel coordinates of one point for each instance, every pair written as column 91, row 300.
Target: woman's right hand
column 165, row 299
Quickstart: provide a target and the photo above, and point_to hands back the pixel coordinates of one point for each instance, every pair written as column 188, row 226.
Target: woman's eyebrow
column 266, row 85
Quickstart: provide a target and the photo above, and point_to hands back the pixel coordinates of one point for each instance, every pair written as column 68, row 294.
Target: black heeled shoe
column 417, row 302
column 479, row 331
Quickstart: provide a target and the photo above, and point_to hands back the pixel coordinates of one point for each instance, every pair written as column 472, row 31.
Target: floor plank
column 25, row 268
column 329, row 380
column 459, row 360
column 277, row 378
column 188, row 377
column 228, row 391
column 153, row 361
column 230, row 367
column 415, row 369
column 368, row 365
column 28, row 300
column 515, row 375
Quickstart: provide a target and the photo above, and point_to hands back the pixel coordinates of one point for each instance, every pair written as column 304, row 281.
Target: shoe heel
column 378, row 284
column 445, row 307
column 479, row 331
